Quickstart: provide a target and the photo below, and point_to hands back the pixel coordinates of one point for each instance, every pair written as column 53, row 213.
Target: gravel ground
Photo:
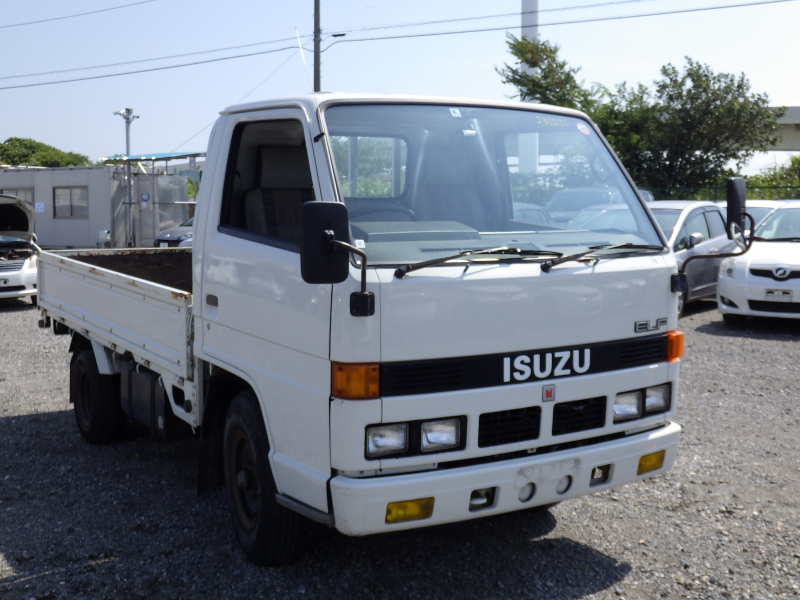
column 124, row 521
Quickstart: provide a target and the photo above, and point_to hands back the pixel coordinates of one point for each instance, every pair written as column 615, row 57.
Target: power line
column 83, row 14
column 199, row 62
column 144, row 60
column 595, row 20
column 414, row 35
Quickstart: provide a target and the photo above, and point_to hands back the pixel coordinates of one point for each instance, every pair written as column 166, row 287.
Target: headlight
column 727, row 268
column 387, row 439
column 628, row 406
column 657, row 398
column 441, row 435
column 185, row 236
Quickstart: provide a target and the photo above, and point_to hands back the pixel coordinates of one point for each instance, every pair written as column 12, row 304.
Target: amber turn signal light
column 674, row 345
column 355, row 381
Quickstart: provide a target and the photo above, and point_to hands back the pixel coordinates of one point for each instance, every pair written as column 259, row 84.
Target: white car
column 764, row 282
column 758, row 209
column 17, row 256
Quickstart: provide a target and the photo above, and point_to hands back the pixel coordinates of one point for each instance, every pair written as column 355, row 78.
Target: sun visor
column 16, row 217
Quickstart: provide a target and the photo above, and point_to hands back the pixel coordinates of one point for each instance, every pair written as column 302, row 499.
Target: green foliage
column 682, row 133
column 374, row 160
column 553, row 82
column 25, row 151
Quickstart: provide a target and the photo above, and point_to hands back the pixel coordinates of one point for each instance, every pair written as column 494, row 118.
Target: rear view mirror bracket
column 362, row 304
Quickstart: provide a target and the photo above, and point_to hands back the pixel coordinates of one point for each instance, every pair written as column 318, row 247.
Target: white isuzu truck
column 379, row 327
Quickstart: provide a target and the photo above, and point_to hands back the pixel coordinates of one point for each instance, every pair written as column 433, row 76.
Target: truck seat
column 445, row 194
column 284, row 176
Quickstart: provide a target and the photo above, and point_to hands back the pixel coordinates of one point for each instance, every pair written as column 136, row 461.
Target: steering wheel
column 368, row 210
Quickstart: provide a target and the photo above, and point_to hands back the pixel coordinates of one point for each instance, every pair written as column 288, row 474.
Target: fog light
column 441, row 435
column 628, row 406
column 409, row 510
column 526, row 492
column 651, row 462
column 387, row 439
column 657, row 398
column 564, row 484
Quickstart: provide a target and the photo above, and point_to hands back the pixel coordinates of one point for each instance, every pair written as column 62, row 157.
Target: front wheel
column 96, row 399
column 269, row 534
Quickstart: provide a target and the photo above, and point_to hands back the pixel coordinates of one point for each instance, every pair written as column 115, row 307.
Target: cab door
column 259, row 319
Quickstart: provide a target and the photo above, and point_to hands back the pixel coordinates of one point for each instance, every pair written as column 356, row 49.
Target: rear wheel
column 95, row 398
column 734, row 320
column 682, row 302
column 270, row 534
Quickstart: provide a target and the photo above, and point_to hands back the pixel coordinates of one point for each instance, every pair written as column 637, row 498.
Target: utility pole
column 529, row 25
column 317, row 36
column 128, row 115
column 529, row 143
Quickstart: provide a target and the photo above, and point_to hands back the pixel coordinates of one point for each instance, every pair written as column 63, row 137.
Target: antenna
column 303, row 56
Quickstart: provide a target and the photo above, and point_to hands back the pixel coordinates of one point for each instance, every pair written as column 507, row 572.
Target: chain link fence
column 719, row 193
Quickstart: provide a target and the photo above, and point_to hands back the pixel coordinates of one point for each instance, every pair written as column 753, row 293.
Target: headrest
column 284, row 168
column 446, row 166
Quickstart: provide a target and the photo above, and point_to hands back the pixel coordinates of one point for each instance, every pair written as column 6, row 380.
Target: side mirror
column 736, row 196
column 320, row 260
column 696, row 238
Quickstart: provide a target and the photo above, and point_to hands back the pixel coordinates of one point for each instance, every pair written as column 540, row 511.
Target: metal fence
column 719, row 193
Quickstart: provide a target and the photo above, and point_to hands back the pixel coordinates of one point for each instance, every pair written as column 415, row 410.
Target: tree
column 786, row 175
column 25, row 151
column 692, row 129
column 552, row 80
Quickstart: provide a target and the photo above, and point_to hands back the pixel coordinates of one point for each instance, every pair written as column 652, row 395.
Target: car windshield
column 666, row 219
column 188, row 223
column 758, row 213
column 782, row 224
column 423, row 181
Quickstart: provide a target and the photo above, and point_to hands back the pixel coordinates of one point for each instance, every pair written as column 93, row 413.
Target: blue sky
column 176, row 104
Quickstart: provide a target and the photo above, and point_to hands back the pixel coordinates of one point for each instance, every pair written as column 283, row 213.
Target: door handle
column 212, row 300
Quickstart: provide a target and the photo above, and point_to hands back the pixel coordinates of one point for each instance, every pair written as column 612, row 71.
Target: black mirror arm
column 334, row 243
column 747, row 247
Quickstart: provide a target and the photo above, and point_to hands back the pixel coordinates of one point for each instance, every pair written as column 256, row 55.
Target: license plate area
column 778, row 295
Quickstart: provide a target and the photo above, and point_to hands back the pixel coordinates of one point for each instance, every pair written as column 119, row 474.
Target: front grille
column 771, row 275
column 509, row 426
column 775, row 307
column 11, row 266
column 579, row 415
column 423, row 378
column 643, row 352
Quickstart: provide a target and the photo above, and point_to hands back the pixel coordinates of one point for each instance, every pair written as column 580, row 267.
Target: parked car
column 616, row 217
column 764, row 282
column 17, row 255
column 758, row 209
column 532, row 213
column 565, row 204
column 169, row 238
column 694, row 227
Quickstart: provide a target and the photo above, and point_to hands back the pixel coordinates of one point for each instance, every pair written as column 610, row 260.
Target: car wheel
column 734, row 320
column 269, row 533
column 95, row 398
column 34, row 300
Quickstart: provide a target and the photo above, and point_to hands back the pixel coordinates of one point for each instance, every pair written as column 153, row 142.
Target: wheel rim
column 83, row 403
column 244, row 481
column 681, row 302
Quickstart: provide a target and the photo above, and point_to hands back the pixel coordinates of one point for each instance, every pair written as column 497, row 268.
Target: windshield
column 11, row 240
column 666, row 219
column 784, row 223
column 425, row 181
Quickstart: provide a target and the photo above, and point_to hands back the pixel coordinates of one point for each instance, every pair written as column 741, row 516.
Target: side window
column 71, row 203
column 267, row 181
column 696, row 223
column 716, row 224
column 24, row 193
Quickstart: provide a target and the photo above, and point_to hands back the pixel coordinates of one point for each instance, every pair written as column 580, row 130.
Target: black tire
column 734, row 320
column 34, row 300
column 95, row 398
column 269, row 534
column 683, row 299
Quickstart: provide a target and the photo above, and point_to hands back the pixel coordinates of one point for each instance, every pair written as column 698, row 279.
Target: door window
column 716, row 224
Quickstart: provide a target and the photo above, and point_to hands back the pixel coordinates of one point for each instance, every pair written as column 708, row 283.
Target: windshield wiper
column 400, row 272
column 549, row 264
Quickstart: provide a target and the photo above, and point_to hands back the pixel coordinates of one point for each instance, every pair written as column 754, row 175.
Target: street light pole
column 128, row 115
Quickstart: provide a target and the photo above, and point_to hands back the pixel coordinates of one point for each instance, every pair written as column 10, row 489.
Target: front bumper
column 18, row 284
column 359, row 504
column 750, row 292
